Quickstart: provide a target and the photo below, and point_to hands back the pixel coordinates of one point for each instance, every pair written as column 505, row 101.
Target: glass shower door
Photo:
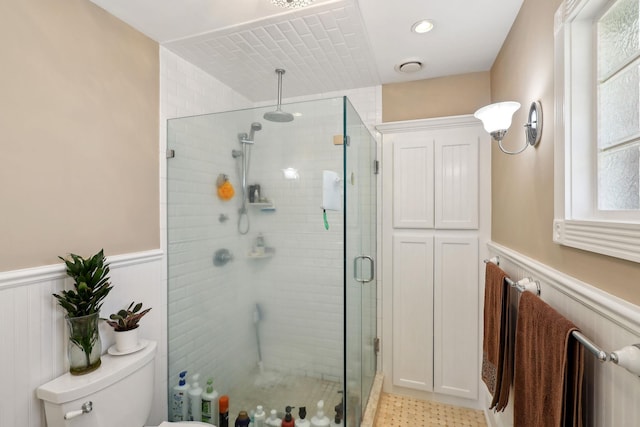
column 360, row 251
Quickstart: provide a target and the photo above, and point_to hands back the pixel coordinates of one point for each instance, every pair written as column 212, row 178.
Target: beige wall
column 522, row 185
column 79, row 111
column 445, row 96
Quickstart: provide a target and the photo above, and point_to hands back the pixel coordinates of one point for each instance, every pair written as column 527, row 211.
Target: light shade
column 497, row 117
column 292, row 4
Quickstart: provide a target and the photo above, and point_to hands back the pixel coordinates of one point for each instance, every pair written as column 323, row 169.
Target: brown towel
column 549, row 367
column 496, row 343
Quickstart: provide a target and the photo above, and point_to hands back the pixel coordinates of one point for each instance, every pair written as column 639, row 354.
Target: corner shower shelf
column 268, row 253
column 264, row 206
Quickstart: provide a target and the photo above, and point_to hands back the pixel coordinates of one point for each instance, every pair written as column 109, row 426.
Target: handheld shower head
column 248, row 139
column 254, row 127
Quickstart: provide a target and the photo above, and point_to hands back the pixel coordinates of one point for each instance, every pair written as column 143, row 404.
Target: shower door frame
column 360, row 282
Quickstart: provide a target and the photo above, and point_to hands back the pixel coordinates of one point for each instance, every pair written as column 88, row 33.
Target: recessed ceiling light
column 422, row 27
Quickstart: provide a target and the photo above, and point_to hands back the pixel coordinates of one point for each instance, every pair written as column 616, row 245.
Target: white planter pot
column 126, row 340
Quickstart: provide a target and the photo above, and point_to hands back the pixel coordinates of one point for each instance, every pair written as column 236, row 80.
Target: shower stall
column 272, row 292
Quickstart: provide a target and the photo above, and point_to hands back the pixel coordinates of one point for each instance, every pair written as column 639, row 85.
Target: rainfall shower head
column 279, row 115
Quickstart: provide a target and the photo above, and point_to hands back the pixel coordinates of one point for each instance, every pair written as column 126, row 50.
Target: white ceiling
column 329, row 46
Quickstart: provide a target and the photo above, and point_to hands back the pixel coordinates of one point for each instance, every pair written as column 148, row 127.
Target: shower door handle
column 371, row 269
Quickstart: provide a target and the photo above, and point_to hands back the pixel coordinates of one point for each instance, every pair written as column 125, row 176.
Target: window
column 597, row 171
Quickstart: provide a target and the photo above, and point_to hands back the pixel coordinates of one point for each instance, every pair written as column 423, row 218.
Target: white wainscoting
column 33, row 332
column 611, row 323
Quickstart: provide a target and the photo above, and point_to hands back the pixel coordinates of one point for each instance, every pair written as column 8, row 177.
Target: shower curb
column 369, row 418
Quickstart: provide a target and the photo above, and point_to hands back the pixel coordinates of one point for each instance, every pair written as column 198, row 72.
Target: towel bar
column 631, row 363
column 526, row 284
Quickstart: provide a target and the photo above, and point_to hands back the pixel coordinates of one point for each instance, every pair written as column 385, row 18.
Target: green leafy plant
column 127, row 319
column 91, row 284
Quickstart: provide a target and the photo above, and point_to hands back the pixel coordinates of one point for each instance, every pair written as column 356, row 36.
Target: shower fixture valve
column 221, row 257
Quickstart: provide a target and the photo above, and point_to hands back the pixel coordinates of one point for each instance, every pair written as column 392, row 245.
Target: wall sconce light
column 496, row 119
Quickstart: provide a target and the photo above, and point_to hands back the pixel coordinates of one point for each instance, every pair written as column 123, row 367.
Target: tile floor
column 401, row 411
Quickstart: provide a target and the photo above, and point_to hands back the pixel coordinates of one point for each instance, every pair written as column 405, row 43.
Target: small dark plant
column 127, row 319
column 91, row 284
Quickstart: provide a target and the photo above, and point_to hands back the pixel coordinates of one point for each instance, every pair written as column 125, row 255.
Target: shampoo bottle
column 195, row 398
column 242, row 420
column 210, row 404
column 337, row 421
column 260, row 417
column 288, row 420
column 320, row 419
column 273, row 420
column 223, row 411
column 302, row 415
column 179, row 399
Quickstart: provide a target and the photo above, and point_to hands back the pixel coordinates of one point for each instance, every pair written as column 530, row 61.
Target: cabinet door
column 413, row 311
column 456, row 179
column 413, row 180
column 456, row 316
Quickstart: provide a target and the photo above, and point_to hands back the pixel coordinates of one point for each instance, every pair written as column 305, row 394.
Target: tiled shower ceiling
column 322, row 49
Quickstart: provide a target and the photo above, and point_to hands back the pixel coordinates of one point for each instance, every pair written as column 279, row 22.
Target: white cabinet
column 412, row 302
column 432, row 233
column 455, row 314
column 413, row 182
column 435, row 179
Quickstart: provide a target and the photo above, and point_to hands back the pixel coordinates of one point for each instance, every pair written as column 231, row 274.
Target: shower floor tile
column 401, row 411
column 276, row 391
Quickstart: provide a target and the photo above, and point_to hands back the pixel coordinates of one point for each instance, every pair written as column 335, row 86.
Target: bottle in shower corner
column 260, row 417
column 320, row 419
column 195, row 398
column 260, row 246
column 180, row 399
column 288, row 420
column 242, row 420
column 337, row 421
column 210, row 404
column 302, row 415
column 223, row 411
column 273, row 420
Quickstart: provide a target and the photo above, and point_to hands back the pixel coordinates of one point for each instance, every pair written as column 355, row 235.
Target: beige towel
column 548, row 367
column 496, row 342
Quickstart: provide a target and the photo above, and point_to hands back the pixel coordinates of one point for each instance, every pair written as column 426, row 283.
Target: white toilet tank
column 120, row 390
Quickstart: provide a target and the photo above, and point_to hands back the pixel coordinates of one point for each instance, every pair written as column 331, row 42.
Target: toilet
column 118, row 393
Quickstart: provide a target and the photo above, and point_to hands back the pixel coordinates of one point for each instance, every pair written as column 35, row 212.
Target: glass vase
column 84, row 347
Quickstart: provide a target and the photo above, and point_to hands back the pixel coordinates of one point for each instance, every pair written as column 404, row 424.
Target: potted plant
column 125, row 326
column 82, row 304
